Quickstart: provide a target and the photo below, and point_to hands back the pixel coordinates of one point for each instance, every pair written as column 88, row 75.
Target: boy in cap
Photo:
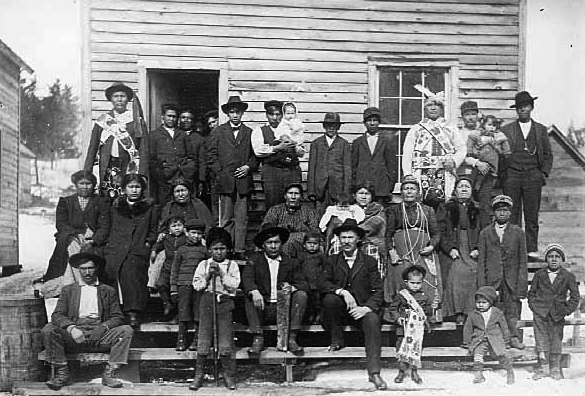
column 226, row 275
column 186, row 260
column 87, row 316
column 553, row 294
column 486, row 329
column 502, row 264
column 231, row 161
column 280, row 159
column 525, row 171
column 373, row 158
column 329, row 165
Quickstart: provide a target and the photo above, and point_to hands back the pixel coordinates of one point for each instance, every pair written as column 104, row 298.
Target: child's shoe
column 555, row 366
column 478, row 378
column 401, row 373
column 542, row 369
column 507, row 364
column 415, row 377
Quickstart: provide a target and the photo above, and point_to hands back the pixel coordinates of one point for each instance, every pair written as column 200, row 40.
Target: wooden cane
column 215, row 332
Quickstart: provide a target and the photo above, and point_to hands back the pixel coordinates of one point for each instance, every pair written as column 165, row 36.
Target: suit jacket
column 543, row 149
column 256, row 275
column 546, row 298
column 171, row 157
column 66, row 312
column 105, row 150
column 329, row 168
column 71, row 221
column 362, row 281
column 225, row 154
column 505, row 262
column 496, row 331
column 197, row 148
column 380, row 168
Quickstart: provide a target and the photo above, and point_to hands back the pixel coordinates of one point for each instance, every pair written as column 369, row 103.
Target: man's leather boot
column 59, row 376
column 109, row 377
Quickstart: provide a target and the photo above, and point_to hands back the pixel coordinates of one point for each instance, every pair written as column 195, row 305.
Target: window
column 400, row 103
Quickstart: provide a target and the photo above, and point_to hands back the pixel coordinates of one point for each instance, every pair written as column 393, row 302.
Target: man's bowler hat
column 332, row 118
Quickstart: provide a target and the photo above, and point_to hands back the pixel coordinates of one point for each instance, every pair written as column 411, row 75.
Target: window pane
column 409, row 79
column 435, row 80
column 389, row 109
column 411, row 111
column 388, row 82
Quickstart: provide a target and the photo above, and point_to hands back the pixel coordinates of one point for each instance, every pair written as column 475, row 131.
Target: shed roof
column 566, row 144
column 5, row 50
column 25, row 151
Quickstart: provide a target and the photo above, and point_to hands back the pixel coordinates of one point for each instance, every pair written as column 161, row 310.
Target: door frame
column 165, row 64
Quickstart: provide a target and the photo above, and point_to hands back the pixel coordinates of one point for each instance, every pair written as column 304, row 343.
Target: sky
column 45, row 33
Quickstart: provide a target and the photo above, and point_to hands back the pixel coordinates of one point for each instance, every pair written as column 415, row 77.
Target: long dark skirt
column 132, row 283
column 460, row 285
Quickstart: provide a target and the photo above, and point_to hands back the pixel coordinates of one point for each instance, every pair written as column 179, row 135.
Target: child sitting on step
column 486, row 329
column 553, row 294
column 226, row 275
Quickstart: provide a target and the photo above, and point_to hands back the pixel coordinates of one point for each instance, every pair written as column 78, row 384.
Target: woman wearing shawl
column 411, row 228
column 119, row 136
column 433, row 150
column 460, row 220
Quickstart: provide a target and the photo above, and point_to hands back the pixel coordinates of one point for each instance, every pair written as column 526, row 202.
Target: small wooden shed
column 11, row 66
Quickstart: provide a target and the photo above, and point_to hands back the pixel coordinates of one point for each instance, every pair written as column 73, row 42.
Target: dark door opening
column 197, row 89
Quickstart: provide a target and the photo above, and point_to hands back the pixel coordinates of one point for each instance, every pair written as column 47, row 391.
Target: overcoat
column 256, row 275
column 329, row 168
column 66, row 312
column 71, row 221
column 130, row 229
column 543, row 148
column 171, row 157
column 105, row 150
column 380, row 168
column 496, row 331
column 503, row 262
column 362, row 280
column 225, row 154
column 546, row 298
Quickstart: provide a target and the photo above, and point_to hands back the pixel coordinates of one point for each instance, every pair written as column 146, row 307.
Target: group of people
column 355, row 256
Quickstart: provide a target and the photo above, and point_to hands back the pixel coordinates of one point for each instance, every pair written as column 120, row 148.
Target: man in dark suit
column 502, row 264
column 354, row 295
column 373, row 158
column 525, row 171
column 196, row 147
column 231, row 161
column 170, row 154
column 329, row 165
column 87, row 316
column 263, row 277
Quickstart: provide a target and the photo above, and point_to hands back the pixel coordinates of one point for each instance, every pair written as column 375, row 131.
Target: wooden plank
column 480, row 7
column 343, row 44
column 395, row 32
column 424, row 13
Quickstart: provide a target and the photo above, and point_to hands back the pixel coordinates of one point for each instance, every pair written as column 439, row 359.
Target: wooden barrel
column 21, row 322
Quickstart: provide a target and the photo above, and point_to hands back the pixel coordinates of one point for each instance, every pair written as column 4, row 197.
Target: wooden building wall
column 9, row 135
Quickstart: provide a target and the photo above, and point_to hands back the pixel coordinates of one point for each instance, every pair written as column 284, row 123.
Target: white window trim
column 452, row 83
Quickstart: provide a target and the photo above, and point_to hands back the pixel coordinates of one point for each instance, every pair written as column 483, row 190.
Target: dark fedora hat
column 269, row 230
column 349, row 225
column 523, row 98
column 332, row 118
column 272, row 103
column 469, row 105
column 234, row 101
column 119, row 87
column 80, row 258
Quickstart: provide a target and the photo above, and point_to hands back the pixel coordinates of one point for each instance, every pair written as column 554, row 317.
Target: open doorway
column 197, row 89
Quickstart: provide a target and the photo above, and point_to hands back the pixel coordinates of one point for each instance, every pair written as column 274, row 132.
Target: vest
column 522, row 159
column 281, row 159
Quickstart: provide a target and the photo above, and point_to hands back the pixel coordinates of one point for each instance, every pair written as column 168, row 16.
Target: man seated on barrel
column 354, row 296
column 87, row 318
column 271, row 279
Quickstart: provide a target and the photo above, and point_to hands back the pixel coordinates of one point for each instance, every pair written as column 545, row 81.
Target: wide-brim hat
column 273, row 103
column 523, row 98
column 269, row 229
column 502, row 200
column 372, row 111
column 332, row 118
column 488, row 292
column 349, row 225
column 80, row 258
column 469, row 105
column 119, row 87
column 234, row 101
